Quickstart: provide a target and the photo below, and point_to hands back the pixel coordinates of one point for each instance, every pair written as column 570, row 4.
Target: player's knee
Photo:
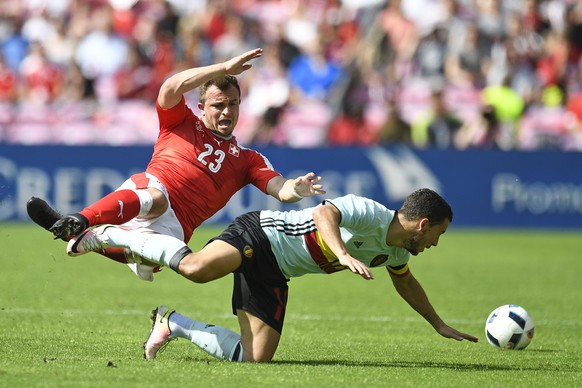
column 257, row 356
column 263, row 359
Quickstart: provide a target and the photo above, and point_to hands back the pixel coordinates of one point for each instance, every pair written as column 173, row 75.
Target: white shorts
column 166, row 224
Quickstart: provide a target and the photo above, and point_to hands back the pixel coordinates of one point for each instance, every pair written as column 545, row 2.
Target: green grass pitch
column 81, row 322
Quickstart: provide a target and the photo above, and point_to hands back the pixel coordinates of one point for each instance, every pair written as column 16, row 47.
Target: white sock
column 157, row 248
column 217, row 341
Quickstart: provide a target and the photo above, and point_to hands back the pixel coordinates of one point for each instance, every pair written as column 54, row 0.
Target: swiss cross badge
column 234, row 150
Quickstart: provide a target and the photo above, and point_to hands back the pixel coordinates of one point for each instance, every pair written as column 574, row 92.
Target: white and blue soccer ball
column 509, row 327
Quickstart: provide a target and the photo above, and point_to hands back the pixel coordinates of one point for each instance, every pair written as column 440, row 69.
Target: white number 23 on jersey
column 212, row 158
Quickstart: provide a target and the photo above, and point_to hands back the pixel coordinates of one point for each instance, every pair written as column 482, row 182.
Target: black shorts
column 259, row 286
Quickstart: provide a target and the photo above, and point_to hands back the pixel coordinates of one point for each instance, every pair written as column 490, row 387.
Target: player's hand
column 237, row 65
column 357, row 267
column 449, row 332
column 308, row 185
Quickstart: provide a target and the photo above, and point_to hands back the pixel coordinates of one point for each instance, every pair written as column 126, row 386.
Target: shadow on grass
column 542, row 350
column 411, row 364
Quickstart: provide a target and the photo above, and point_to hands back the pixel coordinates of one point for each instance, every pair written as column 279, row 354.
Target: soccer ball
column 509, row 327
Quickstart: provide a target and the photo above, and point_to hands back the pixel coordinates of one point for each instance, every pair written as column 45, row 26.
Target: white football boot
column 90, row 240
column 160, row 333
column 96, row 239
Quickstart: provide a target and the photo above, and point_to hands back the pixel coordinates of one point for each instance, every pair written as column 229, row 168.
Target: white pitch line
column 290, row 316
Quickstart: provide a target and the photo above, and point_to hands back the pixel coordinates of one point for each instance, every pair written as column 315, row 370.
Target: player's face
column 220, row 110
column 425, row 236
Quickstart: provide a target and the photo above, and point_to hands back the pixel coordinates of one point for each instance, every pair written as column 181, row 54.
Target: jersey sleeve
column 399, row 270
column 358, row 212
column 261, row 171
column 173, row 116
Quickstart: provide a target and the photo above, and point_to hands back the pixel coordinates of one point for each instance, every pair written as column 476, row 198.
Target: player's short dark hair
column 426, row 203
column 223, row 83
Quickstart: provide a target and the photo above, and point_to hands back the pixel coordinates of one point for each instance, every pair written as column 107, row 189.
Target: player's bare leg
column 214, row 261
column 259, row 340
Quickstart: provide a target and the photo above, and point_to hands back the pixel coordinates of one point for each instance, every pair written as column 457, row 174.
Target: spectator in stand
column 508, row 107
column 395, row 129
column 37, row 27
column 266, row 127
column 479, row 131
column 401, row 32
column 469, row 65
column 522, row 45
column 43, row 81
column 489, row 21
column 169, row 20
column 350, row 127
column 60, row 46
column 551, row 67
column 214, row 19
column 303, row 122
column 301, row 28
column 574, row 105
column 191, row 46
column 574, row 108
column 546, row 123
column 341, row 29
column 573, row 19
column 15, row 45
column 268, row 93
column 439, row 127
column 97, row 68
column 75, row 89
column 312, row 73
column 287, row 50
column 134, row 80
column 431, row 55
column 454, row 23
column 8, row 83
column 233, row 40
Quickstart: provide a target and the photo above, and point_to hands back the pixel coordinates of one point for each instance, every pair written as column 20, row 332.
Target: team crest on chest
column 234, row 150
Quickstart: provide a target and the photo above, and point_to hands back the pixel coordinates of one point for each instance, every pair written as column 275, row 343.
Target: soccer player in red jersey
column 196, row 167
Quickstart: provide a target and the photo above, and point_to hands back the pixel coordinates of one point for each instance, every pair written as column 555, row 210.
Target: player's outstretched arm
column 327, row 218
column 174, row 87
column 293, row 190
column 412, row 292
column 449, row 332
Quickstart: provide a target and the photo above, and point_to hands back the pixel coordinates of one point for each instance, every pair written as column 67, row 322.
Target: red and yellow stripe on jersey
column 321, row 253
column 327, row 260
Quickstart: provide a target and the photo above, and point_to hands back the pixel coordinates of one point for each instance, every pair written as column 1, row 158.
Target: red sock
column 116, row 254
column 115, row 208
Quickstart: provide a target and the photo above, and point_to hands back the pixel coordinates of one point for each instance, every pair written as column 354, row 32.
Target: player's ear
column 422, row 223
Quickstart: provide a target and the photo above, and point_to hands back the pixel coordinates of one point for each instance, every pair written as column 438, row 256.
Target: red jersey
column 8, row 83
column 201, row 170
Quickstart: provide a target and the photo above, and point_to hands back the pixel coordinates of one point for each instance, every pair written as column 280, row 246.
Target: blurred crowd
column 450, row 74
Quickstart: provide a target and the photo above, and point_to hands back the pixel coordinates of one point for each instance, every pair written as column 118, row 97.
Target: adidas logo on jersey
column 358, row 243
